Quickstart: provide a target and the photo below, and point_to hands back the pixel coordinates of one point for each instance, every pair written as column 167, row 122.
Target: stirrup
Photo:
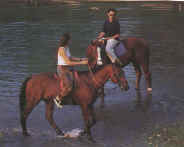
column 57, row 101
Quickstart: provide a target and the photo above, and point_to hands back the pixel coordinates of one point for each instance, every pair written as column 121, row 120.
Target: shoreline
column 37, row 3
column 78, row 1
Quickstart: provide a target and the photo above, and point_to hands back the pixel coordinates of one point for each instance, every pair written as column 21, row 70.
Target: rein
column 94, row 79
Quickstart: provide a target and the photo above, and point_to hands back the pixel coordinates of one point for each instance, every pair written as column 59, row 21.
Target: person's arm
column 113, row 37
column 74, row 58
column 101, row 35
column 69, row 61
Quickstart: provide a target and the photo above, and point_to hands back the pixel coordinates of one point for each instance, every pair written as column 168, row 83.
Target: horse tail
column 22, row 96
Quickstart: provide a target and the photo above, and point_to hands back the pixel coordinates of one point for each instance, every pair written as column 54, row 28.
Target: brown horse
column 137, row 53
column 45, row 86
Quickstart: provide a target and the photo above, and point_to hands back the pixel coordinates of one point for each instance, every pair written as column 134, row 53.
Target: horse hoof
column 102, row 106
column 60, row 133
column 90, row 138
column 82, row 133
column 26, row 134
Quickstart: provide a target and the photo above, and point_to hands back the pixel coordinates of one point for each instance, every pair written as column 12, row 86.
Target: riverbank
column 167, row 135
column 151, row 3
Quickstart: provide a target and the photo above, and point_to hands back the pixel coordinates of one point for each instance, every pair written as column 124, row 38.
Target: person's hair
column 65, row 39
column 112, row 9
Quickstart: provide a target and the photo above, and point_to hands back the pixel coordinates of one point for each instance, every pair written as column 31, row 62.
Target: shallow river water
column 29, row 39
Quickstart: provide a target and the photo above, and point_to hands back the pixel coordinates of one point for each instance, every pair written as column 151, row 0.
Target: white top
column 61, row 60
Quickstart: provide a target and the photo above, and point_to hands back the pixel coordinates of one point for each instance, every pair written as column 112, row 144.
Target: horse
column 137, row 53
column 45, row 86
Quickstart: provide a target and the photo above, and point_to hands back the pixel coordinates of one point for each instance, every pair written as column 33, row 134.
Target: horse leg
column 92, row 114
column 86, row 111
column 24, row 115
column 147, row 77
column 102, row 95
column 138, row 75
column 49, row 116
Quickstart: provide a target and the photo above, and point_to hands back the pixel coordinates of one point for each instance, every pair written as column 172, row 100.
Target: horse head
column 97, row 42
column 92, row 54
column 118, row 76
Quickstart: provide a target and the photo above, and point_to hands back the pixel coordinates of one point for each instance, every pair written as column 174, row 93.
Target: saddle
column 119, row 49
column 66, row 100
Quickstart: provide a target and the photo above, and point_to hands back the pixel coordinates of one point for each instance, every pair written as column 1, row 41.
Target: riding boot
column 66, row 83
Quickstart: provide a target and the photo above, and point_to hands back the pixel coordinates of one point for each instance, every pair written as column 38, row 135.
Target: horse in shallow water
column 45, row 86
column 137, row 52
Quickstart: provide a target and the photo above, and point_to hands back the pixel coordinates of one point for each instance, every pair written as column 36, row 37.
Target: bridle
column 114, row 74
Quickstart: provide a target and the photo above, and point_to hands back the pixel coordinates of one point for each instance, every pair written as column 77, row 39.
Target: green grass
column 167, row 136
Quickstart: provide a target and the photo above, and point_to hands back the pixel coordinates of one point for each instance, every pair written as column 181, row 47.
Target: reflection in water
column 143, row 103
column 180, row 7
column 29, row 38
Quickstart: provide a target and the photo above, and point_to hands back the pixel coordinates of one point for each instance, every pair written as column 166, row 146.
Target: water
column 29, row 39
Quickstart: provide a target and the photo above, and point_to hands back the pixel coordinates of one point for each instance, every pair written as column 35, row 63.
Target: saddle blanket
column 120, row 49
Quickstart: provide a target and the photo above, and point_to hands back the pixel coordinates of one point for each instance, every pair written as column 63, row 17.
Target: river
column 29, row 38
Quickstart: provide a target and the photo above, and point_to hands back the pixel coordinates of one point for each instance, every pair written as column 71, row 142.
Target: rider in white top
column 64, row 64
column 61, row 60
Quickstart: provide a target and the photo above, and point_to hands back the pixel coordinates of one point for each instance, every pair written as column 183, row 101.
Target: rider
column 111, row 33
column 64, row 67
